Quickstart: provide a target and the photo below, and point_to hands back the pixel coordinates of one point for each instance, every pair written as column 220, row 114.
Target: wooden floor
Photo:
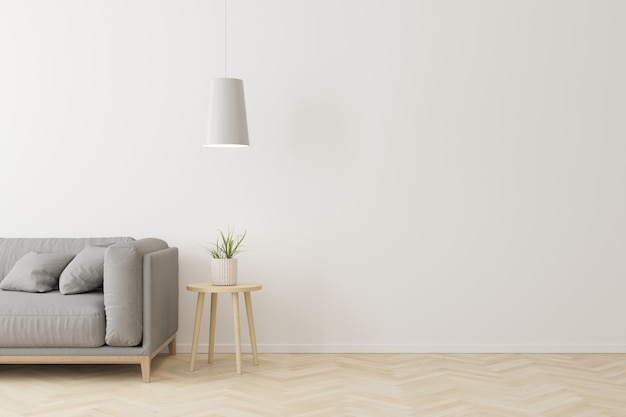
column 389, row 385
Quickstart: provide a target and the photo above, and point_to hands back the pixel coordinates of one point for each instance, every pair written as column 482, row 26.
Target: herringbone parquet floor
column 325, row 385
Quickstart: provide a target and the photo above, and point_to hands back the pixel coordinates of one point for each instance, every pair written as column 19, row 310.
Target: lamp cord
column 224, row 38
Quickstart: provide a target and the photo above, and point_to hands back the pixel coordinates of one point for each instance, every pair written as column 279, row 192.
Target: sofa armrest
column 123, row 290
column 160, row 297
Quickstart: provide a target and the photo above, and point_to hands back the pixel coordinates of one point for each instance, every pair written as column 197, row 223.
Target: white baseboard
column 373, row 348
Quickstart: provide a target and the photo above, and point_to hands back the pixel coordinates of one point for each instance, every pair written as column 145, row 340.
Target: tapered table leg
column 212, row 326
column 255, row 355
column 196, row 330
column 237, row 335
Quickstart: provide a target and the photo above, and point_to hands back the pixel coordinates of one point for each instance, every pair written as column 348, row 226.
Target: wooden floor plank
column 319, row 385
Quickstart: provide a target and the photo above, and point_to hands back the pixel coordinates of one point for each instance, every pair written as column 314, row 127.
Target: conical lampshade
column 228, row 125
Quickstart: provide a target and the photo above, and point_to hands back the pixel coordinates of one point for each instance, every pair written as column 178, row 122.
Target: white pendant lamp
column 228, row 124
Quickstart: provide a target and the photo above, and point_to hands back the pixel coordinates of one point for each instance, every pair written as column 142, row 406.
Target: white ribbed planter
column 224, row 271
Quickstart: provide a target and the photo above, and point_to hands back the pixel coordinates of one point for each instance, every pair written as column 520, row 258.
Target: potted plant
column 223, row 262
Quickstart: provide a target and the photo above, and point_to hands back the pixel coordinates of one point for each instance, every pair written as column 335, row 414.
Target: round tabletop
column 208, row 287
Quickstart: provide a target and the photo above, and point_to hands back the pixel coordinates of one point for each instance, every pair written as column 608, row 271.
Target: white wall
column 423, row 175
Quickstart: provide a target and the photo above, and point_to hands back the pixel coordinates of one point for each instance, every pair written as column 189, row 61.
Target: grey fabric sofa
column 131, row 318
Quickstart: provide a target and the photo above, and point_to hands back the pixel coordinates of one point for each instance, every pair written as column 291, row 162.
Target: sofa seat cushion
column 51, row 319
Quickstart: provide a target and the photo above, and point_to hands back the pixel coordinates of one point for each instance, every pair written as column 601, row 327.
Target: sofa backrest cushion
column 13, row 249
column 123, row 290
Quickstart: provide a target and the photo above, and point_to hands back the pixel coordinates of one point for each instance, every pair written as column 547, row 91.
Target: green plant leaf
column 226, row 245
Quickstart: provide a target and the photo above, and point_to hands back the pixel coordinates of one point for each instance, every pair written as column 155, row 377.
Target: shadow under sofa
column 129, row 320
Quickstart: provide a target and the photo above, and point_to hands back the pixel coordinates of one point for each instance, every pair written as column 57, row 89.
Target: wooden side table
column 205, row 287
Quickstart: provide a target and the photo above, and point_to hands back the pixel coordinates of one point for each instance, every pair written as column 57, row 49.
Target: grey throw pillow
column 85, row 273
column 36, row 272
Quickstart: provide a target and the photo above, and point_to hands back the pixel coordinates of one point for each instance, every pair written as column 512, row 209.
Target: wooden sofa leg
column 171, row 347
column 145, row 368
